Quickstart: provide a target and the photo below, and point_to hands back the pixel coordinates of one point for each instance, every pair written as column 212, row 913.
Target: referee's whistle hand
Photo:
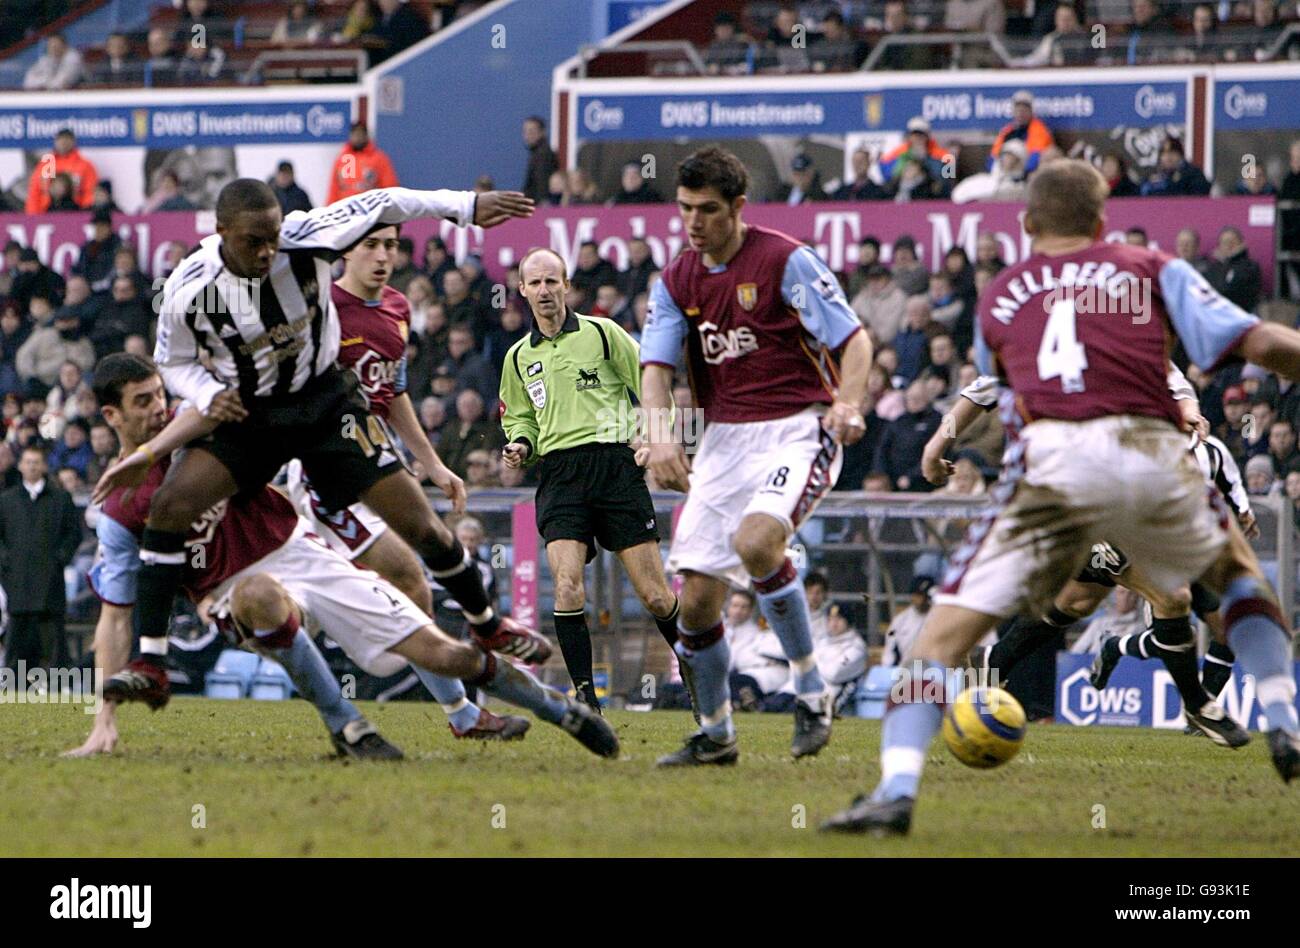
column 669, row 466
column 513, row 455
column 226, row 406
column 497, row 207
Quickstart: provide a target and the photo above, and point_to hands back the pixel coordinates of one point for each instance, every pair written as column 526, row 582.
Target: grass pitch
column 260, row 773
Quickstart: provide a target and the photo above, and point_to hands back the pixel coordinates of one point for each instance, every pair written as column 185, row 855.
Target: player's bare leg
column 259, row 603
column 761, row 544
column 912, row 718
column 1261, row 639
column 702, row 645
column 400, row 501
column 567, row 559
column 194, row 483
column 392, row 559
column 646, row 571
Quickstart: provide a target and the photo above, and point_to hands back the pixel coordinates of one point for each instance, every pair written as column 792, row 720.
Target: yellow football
column 984, row 727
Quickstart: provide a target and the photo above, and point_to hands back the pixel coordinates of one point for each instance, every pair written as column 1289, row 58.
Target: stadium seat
column 271, row 683
column 232, row 675
column 873, row 692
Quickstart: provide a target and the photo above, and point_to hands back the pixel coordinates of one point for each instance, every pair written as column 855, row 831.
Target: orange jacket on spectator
column 357, row 170
column 1037, row 137
column 83, row 174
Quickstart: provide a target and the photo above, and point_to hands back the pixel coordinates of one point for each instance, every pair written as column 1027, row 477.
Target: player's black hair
column 1137, row 230
column 816, row 579
column 244, row 194
column 716, row 168
column 115, row 372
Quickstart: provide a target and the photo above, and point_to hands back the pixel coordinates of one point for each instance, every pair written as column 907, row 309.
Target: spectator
column 61, row 399
column 861, row 187
column 946, row 307
column 482, row 470
column 1114, row 168
column 806, row 184
column 988, row 253
column 1229, row 431
column 841, row 658
column 419, row 293
column 287, row 192
column 9, row 476
column 59, row 68
column 167, row 196
column 397, row 28
column 1257, row 427
column 759, row 668
column 727, row 53
column 919, row 151
column 359, row 21
column 881, row 305
column 125, row 314
column 868, row 257
column 125, row 264
column 542, row 162
column 35, row 279
column 909, row 273
column 12, row 253
column 1135, row 237
column 437, row 262
column 1063, row 45
column 470, row 432
column 468, row 367
column 557, row 189
column 1203, row 46
column 103, row 447
column 61, row 199
column 1290, row 191
column 404, row 268
column 14, row 330
column 1233, row 273
column 582, row 190
column 298, row 27
column 635, row 280
column 502, row 337
column 899, row 454
column 361, row 166
column 200, row 64
column 960, row 272
column 65, row 159
column 1254, row 182
column 462, row 308
column 1005, row 182
column 905, row 626
column 1174, row 176
column 608, row 301
column 73, row 449
column 118, row 67
column 592, row 271
column 95, row 261
column 786, row 43
column 634, row 188
column 39, row 534
column 1187, row 245
column 432, row 417
column 902, row 57
column 57, row 340
column 913, row 340
column 1255, row 42
column 835, row 50
column 1282, row 447
column 1024, row 127
column 1149, row 36
column 975, row 16
column 160, row 68
column 1123, row 616
column 1260, row 476
column 102, row 198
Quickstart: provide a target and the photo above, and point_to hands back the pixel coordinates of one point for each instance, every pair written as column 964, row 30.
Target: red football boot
column 516, row 640
column 492, row 727
column 140, row 680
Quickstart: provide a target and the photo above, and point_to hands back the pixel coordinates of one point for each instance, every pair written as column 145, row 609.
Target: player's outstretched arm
column 1275, row 347
column 933, row 465
column 401, row 415
column 189, row 424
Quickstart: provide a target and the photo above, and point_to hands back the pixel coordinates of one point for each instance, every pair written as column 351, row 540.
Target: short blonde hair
column 1066, row 199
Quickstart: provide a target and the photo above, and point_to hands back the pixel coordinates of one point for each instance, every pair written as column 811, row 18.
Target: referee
column 563, row 387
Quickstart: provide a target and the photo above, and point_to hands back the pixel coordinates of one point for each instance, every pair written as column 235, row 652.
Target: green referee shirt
column 573, row 389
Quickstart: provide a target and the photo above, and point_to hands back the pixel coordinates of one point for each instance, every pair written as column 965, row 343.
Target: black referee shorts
column 325, row 425
column 595, row 493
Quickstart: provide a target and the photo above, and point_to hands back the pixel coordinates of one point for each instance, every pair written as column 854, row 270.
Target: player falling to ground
column 1171, row 637
column 1096, row 454
column 248, row 331
column 764, row 323
column 565, row 391
column 129, row 390
column 266, row 577
column 374, row 323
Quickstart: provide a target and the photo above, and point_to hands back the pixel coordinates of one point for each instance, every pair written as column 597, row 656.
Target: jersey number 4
column 1061, row 354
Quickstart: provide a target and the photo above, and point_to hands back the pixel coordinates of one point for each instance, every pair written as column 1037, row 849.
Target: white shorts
column 782, row 468
column 349, row 532
column 1066, row 485
column 357, row 608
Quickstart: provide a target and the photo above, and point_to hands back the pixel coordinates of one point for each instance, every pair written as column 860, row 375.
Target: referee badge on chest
column 747, row 296
column 537, row 392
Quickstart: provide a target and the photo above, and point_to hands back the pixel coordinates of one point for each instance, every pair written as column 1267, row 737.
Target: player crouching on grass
column 267, row 577
column 565, row 389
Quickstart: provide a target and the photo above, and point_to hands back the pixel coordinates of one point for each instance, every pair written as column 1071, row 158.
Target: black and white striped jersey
column 271, row 336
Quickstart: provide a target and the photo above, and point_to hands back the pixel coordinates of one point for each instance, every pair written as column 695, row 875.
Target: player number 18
column 1061, row 353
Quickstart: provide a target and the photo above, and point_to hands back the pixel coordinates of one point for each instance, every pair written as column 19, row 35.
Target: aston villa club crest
column 873, row 109
column 747, row 296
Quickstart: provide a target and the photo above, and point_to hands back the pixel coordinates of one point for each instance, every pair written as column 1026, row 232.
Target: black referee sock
column 668, row 624
column 1217, row 669
column 162, row 568
column 575, row 644
column 1180, row 659
column 457, row 574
